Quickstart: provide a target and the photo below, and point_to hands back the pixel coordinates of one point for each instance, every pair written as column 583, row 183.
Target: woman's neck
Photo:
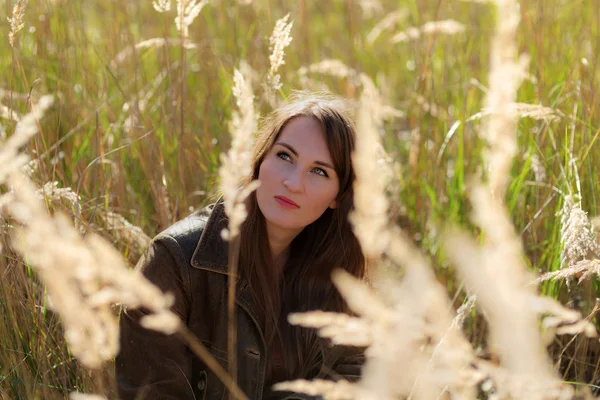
column 279, row 243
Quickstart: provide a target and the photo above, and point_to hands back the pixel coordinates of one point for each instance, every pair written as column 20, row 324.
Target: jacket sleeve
column 347, row 363
column 151, row 365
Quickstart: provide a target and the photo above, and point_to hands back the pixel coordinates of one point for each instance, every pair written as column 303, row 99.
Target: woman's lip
column 285, row 202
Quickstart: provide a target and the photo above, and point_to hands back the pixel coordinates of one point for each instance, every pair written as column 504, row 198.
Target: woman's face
column 298, row 168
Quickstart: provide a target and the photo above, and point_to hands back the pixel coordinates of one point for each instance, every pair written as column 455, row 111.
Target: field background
column 138, row 132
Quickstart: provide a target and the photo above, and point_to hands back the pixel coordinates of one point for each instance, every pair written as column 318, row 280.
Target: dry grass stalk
column 596, row 227
column 237, row 163
column 446, row 27
column 342, row 390
column 52, row 192
column 369, row 218
column 11, row 94
column 433, row 109
column 8, row 113
column 370, row 8
column 561, row 320
column 341, row 328
column 524, row 110
column 85, row 396
column 539, row 171
column 331, row 67
column 442, row 364
column 463, row 311
column 583, row 269
column 505, row 76
column 336, row 68
column 390, row 21
column 510, row 305
column 154, row 42
column 16, row 21
column 10, row 157
column 279, row 40
column 123, row 230
column 83, row 276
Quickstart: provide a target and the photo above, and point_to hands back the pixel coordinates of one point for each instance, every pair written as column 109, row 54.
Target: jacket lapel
column 211, row 254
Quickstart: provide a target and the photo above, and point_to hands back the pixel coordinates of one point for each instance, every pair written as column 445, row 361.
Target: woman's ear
column 333, row 204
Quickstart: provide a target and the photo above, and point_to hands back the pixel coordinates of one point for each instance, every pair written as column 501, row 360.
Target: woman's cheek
column 267, row 171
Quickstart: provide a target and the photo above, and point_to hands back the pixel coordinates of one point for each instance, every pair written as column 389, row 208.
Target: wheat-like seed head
column 584, row 269
column 446, row 27
column 340, row 328
column 85, row 396
column 369, row 217
column 162, row 5
column 8, row 113
column 16, row 21
column 330, row 390
column 145, row 44
column 123, row 230
column 539, row 171
column 388, row 22
column 10, row 157
column 331, row 67
column 279, row 40
column 187, row 11
column 370, row 8
column 577, row 238
column 237, row 163
column 524, row 110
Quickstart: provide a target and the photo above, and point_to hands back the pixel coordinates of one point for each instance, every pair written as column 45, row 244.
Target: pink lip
column 286, row 203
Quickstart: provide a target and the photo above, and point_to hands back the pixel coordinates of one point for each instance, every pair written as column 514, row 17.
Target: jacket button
column 202, row 381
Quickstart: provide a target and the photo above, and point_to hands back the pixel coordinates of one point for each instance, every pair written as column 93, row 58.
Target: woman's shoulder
column 183, row 236
column 196, row 239
column 190, row 227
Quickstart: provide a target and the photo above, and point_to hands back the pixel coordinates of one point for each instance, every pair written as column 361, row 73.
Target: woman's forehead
column 306, row 136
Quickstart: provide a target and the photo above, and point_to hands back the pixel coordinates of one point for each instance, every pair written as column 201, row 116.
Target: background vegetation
column 136, row 133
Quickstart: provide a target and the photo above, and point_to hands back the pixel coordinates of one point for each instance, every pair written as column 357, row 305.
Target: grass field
column 141, row 115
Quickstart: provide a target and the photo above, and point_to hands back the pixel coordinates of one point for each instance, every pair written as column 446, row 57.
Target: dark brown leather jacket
column 189, row 260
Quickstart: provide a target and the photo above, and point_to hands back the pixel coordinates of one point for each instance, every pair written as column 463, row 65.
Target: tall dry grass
column 485, row 160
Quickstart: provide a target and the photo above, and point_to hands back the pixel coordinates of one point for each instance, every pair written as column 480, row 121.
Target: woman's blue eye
column 284, row 156
column 321, row 172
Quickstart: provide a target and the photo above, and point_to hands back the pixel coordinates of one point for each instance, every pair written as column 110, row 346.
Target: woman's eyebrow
column 290, row 148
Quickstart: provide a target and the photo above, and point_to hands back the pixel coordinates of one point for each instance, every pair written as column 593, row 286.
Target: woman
column 296, row 233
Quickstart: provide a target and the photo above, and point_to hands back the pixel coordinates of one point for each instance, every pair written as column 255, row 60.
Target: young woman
column 296, row 234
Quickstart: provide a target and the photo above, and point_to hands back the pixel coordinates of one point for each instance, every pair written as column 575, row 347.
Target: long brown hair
column 322, row 246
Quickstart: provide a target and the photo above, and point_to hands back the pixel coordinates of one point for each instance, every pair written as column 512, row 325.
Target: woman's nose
column 294, row 182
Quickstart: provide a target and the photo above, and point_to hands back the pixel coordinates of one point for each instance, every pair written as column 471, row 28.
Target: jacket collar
column 212, row 251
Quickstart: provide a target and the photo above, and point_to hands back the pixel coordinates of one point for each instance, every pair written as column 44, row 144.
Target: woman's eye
column 284, row 156
column 321, row 171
